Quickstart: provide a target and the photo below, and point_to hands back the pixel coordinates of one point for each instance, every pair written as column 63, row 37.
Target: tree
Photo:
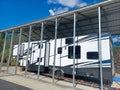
column 2, row 35
column 117, row 58
column 6, row 52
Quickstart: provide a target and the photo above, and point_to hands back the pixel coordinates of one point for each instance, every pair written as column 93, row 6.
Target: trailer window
column 69, row 41
column 77, row 52
column 40, row 46
column 92, row 55
column 60, row 50
column 39, row 59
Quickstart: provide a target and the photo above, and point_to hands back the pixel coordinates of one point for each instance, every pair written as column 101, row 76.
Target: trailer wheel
column 50, row 71
column 59, row 73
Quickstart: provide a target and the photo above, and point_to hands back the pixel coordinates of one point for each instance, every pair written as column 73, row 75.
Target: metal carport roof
column 87, row 22
column 103, row 16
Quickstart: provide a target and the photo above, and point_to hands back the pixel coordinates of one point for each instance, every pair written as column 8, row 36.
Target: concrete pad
column 5, row 85
column 44, row 83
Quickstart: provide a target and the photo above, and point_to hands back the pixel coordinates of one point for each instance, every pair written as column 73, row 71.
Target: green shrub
column 4, row 64
column 13, row 62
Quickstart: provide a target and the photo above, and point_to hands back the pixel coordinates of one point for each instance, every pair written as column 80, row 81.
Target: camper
column 87, row 62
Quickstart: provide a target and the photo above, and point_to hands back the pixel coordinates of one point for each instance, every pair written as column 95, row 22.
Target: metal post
column 31, row 54
column 11, row 44
column 56, row 24
column 60, row 54
column 77, row 60
column 29, row 39
column 99, row 48
column 42, row 26
column 18, row 50
column 33, row 45
column 3, row 50
column 74, row 33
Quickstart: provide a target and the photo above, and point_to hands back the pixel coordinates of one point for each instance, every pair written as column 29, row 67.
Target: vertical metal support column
column 41, row 38
column 18, row 50
column 74, row 33
column 33, row 45
column 60, row 54
column 100, row 48
column 28, row 52
column 4, row 45
column 31, row 54
column 56, row 26
column 9, row 58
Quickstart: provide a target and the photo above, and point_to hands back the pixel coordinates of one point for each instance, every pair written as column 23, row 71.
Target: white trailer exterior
column 33, row 52
column 103, row 17
column 86, row 56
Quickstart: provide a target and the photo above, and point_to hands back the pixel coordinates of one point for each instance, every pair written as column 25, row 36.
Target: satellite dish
column 51, row 12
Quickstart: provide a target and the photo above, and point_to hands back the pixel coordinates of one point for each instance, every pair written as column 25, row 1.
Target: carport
column 103, row 17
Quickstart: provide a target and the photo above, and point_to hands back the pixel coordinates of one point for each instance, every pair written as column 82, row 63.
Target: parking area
column 30, row 82
column 76, row 43
column 44, row 83
column 6, row 85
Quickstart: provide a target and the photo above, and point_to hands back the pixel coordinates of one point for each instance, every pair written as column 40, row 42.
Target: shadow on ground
column 5, row 85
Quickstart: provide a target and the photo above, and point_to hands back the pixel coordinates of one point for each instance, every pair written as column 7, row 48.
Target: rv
column 87, row 62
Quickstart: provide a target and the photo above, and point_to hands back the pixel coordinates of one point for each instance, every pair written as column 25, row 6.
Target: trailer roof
column 86, row 22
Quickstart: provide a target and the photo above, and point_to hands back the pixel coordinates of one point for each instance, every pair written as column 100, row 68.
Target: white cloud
column 58, row 10
column 61, row 10
column 116, row 39
column 51, row 12
column 82, row 4
column 65, row 3
column 68, row 3
column 52, row 1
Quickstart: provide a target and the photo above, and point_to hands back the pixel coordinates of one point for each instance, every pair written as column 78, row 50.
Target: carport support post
column 100, row 49
column 18, row 50
column 3, row 50
column 56, row 26
column 28, row 52
column 74, row 33
column 60, row 54
column 9, row 58
column 42, row 26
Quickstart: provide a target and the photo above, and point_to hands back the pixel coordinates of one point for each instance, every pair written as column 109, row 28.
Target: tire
column 59, row 73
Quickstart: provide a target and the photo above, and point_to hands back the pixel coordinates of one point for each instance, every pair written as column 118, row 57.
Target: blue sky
column 17, row 12
column 116, row 40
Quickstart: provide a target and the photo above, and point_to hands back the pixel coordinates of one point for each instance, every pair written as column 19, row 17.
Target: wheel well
column 59, row 72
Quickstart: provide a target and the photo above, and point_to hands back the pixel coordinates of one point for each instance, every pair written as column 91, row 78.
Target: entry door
column 47, row 54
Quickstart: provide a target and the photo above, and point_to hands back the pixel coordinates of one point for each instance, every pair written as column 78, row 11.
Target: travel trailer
column 87, row 62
